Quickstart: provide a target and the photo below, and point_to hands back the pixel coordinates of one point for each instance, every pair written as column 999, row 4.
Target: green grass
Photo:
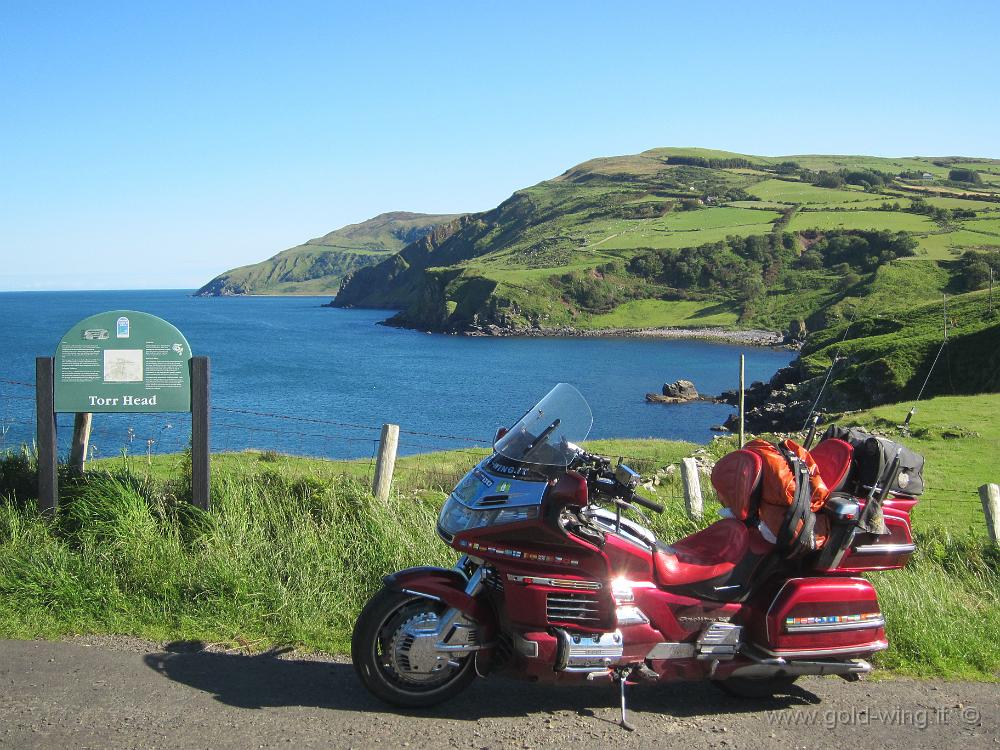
column 949, row 245
column 943, row 609
column 893, row 221
column 785, row 191
column 986, row 226
column 966, row 203
column 959, row 436
column 653, row 238
column 652, row 313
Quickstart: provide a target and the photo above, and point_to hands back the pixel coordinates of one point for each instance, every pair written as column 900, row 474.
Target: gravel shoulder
column 115, row 692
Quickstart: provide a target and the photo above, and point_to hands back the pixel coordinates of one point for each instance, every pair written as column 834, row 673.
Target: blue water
column 292, row 357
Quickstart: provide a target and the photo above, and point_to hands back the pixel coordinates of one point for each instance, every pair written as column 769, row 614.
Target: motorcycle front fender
column 447, row 586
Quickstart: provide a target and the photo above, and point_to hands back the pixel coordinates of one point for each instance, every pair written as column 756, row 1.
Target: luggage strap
column 800, row 513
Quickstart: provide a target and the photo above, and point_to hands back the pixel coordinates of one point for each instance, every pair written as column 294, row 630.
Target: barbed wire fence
column 428, row 461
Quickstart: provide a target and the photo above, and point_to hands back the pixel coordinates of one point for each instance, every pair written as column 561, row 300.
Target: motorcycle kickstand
column 620, row 677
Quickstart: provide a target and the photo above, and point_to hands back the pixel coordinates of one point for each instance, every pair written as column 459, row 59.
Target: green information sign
column 123, row 361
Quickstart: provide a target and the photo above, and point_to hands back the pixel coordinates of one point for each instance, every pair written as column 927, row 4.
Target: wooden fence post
column 990, row 495
column 201, row 467
column 81, row 439
column 387, row 445
column 45, row 425
column 742, row 410
column 692, row 488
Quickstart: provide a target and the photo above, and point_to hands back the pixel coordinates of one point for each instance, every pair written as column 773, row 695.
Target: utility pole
column 991, row 291
column 945, row 318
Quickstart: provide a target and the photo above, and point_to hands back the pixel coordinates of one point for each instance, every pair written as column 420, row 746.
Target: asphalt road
column 122, row 693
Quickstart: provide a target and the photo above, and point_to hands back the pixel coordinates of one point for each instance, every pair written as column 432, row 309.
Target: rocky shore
column 748, row 337
column 779, row 405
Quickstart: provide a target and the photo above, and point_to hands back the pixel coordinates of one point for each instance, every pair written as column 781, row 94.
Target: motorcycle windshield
column 546, row 433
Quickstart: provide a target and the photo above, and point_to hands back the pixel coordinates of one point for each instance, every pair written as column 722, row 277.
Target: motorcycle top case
column 822, row 617
column 873, row 458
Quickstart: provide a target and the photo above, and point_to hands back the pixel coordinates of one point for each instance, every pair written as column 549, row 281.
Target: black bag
column 873, row 458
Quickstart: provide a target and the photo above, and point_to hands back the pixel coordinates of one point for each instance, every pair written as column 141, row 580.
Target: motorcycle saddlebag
column 873, row 458
column 820, row 617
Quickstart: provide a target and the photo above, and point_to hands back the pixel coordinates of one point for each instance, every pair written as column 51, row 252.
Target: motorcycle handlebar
column 648, row 504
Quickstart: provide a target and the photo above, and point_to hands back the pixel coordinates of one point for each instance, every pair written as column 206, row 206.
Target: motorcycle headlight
column 456, row 517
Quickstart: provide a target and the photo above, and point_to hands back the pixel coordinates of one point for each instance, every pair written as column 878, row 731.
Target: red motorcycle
column 556, row 584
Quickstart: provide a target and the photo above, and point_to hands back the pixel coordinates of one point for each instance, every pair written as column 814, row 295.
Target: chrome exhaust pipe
column 764, row 667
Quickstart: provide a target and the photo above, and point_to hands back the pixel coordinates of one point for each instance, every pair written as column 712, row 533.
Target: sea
column 292, row 376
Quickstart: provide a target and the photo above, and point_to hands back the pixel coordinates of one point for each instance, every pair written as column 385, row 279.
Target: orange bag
column 778, row 485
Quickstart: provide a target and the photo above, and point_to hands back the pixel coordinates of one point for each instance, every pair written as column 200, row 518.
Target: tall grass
column 943, row 610
column 291, row 560
column 275, row 560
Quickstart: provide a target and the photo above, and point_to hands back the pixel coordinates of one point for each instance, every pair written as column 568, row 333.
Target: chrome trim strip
column 422, row 595
column 668, row 650
column 867, row 648
column 463, row 648
column 820, row 627
column 559, row 583
column 883, row 549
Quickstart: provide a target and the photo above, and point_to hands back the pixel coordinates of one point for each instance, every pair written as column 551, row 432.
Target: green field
column 893, row 221
column 651, row 313
column 986, row 226
column 949, row 245
column 788, row 192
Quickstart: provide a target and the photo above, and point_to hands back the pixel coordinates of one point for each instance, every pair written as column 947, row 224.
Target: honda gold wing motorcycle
column 556, row 583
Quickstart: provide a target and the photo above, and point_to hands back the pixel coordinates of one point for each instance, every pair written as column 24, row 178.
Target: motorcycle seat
column 705, row 555
column 833, row 459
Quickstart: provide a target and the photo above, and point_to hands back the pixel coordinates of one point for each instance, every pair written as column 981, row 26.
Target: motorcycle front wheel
column 391, row 662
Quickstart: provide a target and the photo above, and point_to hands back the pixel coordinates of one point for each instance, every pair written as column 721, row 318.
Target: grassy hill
column 698, row 238
column 569, row 252
column 317, row 266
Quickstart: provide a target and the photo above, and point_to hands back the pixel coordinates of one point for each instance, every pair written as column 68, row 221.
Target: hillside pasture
column 784, row 191
column 654, row 313
column 984, row 226
column 893, row 221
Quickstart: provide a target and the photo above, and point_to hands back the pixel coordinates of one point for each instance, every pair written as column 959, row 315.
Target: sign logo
column 503, row 487
column 122, row 327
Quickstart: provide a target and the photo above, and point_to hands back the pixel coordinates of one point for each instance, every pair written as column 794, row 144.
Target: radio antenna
column 833, row 363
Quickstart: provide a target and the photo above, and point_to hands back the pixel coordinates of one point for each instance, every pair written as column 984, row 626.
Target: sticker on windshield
column 483, row 478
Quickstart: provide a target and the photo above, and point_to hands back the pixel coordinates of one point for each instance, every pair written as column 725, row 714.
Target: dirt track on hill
column 123, row 693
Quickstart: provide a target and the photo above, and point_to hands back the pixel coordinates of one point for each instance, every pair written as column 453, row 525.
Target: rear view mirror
column 501, row 431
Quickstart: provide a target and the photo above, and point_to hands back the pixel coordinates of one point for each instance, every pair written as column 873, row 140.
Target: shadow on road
column 266, row 680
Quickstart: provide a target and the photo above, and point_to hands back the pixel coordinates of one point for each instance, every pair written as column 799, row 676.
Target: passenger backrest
column 736, row 478
column 834, row 460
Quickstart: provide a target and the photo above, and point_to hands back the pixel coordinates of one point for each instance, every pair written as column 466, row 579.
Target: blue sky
column 148, row 145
